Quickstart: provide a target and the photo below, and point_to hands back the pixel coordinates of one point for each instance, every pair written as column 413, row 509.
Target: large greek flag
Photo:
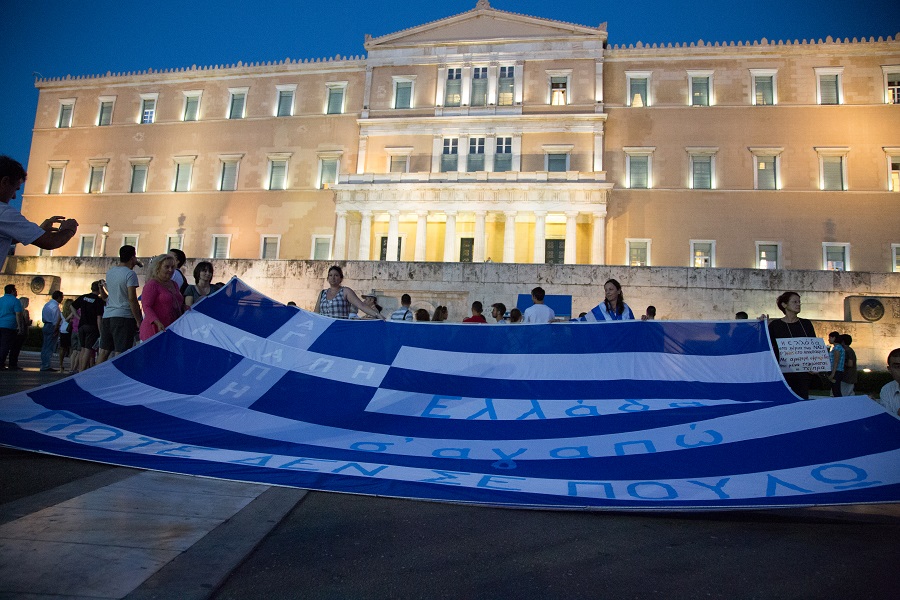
column 627, row 415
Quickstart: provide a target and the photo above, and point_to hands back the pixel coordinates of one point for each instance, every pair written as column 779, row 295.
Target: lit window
column 104, row 117
column 403, row 93
column 701, row 88
column 453, row 89
column 479, row 86
column 506, row 86
column 237, row 103
column 335, row 105
column 191, row 106
column 763, row 83
column 98, row 175
column 766, row 168
column 638, row 253
column 221, row 246
column 285, row 102
column 893, row 161
column 148, row 108
column 503, row 155
column 328, row 172
column 836, row 257
column 559, row 90
column 891, row 85
column 475, row 160
column 703, row 253
column 450, row 155
column 829, row 82
column 66, row 107
column 269, row 246
column 638, row 83
column 86, row 245
column 767, row 255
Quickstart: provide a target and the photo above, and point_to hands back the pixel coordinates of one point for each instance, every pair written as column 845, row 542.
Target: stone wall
column 677, row 292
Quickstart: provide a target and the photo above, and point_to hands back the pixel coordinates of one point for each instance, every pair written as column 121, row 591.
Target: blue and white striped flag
column 630, row 415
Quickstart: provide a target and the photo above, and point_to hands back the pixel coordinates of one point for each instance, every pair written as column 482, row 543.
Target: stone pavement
column 76, row 530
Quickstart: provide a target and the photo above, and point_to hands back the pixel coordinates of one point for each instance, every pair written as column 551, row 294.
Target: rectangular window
column 475, row 161
column 835, row 257
column 335, row 100
column 559, row 91
column 764, row 90
column 767, row 256
column 183, row 171
column 479, row 86
column 191, row 107
column 139, row 178
column 65, row 115
column 453, row 89
column 506, row 86
column 503, row 156
column 54, row 185
column 236, row 105
column 402, row 94
column 228, row 179
column 106, row 110
column 557, row 163
column 321, row 248
column 269, row 247
column 637, row 91
column 450, row 155
column 638, row 171
column 833, row 173
column 285, row 103
column 703, row 253
column 98, row 174
column 220, row 246
column 130, row 240
column 894, row 173
column 893, row 87
column 175, row 241
column 700, row 90
column 829, row 88
column 895, row 258
column 328, row 173
column 701, row 172
column 399, row 163
column 277, row 175
column 86, row 245
column 765, row 172
column 638, row 253
column 148, row 110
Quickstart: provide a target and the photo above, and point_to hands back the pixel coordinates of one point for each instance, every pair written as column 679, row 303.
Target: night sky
column 56, row 38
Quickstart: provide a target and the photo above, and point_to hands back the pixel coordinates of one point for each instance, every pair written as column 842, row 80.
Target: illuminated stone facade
column 490, row 136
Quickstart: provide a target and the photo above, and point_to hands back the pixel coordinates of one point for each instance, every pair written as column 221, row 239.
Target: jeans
column 49, row 345
column 7, row 340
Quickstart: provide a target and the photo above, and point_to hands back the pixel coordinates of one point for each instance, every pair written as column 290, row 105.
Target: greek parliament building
column 490, row 136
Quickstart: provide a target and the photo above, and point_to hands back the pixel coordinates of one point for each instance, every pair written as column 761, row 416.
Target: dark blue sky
column 57, row 38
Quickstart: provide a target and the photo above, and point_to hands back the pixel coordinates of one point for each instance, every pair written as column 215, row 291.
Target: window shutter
column 765, row 172
column 183, row 177
column 764, row 96
column 229, row 176
column 828, row 87
column 832, row 172
column 639, row 169
column 285, row 103
column 404, row 94
column 335, row 101
column 138, row 178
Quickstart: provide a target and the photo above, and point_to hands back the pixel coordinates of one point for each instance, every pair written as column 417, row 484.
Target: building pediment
column 485, row 24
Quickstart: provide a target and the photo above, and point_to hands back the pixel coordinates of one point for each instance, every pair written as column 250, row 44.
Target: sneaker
column 49, row 369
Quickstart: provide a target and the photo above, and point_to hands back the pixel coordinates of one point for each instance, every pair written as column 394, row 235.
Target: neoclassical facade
column 490, row 136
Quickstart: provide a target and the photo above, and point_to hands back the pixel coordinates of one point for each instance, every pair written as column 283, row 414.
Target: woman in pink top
column 160, row 298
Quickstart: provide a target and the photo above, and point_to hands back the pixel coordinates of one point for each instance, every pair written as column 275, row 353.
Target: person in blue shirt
column 12, row 322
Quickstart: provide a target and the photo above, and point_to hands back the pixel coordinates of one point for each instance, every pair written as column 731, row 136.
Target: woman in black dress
column 791, row 326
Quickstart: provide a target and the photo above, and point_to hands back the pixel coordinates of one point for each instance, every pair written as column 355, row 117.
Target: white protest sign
column 802, row 355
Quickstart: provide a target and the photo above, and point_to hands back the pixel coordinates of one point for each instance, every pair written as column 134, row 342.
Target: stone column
column 365, row 235
column 540, row 232
column 478, row 249
column 509, row 237
column 340, row 235
column 361, row 155
column 421, row 235
column 393, row 235
column 598, row 241
column 450, row 237
column 571, row 235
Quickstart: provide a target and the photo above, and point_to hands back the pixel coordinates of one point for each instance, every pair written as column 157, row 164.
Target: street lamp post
column 105, row 230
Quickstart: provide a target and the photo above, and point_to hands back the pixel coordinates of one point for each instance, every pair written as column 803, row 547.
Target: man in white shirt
column 122, row 316
column 889, row 397
column 16, row 228
column 540, row 312
column 403, row 313
column 52, row 318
